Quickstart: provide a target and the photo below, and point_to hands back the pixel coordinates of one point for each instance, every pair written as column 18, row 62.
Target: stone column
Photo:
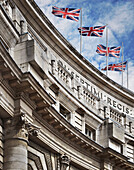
column 17, row 130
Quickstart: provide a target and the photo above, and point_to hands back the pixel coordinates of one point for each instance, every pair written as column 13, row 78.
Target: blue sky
column 118, row 14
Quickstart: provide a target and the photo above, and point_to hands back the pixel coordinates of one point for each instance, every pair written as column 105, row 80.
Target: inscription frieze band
column 81, row 84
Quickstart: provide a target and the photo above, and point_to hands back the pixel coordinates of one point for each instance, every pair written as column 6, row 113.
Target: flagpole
column 122, row 63
column 81, row 32
column 107, row 51
column 127, row 74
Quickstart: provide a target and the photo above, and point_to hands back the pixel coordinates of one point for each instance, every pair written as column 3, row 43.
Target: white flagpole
column 81, row 32
column 107, row 51
column 122, row 63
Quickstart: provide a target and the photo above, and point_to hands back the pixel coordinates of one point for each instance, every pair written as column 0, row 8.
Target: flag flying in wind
column 116, row 67
column 96, row 31
column 68, row 13
column 109, row 51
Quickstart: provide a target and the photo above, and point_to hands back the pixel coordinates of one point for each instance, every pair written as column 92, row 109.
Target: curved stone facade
column 57, row 111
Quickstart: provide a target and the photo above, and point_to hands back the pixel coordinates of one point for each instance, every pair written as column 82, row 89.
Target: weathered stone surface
column 57, row 111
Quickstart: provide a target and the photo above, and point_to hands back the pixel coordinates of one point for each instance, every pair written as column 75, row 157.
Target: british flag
column 116, row 67
column 68, row 13
column 109, row 51
column 96, row 31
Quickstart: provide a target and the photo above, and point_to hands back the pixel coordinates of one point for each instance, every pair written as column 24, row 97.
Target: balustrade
column 115, row 115
column 89, row 97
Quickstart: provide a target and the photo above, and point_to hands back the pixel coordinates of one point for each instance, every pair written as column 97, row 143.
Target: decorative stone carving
column 5, row 4
column 65, row 162
column 89, row 97
column 23, row 26
column 31, row 128
column 20, row 127
column 115, row 115
column 53, row 66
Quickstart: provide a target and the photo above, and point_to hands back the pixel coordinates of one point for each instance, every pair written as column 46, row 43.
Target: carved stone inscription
column 85, row 89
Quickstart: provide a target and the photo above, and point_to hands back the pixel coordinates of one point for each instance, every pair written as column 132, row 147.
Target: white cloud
column 130, row 76
column 43, row 3
column 120, row 18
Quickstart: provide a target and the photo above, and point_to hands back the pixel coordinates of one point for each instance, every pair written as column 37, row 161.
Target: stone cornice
column 71, row 129
column 118, row 159
column 37, row 87
column 25, row 78
column 10, row 22
column 8, row 60
column 54, row 144
column 59, row 126
column 64, row 131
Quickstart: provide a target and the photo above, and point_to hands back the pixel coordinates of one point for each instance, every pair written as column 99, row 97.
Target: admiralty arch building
column 57, row 111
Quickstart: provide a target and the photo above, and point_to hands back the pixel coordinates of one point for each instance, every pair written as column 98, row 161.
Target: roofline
column 67, row 45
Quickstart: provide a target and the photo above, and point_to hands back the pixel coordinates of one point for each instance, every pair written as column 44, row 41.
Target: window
column 130, row 152
column 115, row 145
column 65, row 112
column 90, row 132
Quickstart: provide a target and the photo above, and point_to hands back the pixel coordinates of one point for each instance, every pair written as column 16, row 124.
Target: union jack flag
column 92, row 31
column 68, row 13
column 116, row 67
column 109, row 51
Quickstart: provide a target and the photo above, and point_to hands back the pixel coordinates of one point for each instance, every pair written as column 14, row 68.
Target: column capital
column 20, row 127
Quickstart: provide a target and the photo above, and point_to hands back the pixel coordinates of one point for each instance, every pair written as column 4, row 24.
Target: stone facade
column 57, row 111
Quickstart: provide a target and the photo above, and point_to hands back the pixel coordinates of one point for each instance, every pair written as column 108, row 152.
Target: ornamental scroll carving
column 32, row 129
column 20, row 127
